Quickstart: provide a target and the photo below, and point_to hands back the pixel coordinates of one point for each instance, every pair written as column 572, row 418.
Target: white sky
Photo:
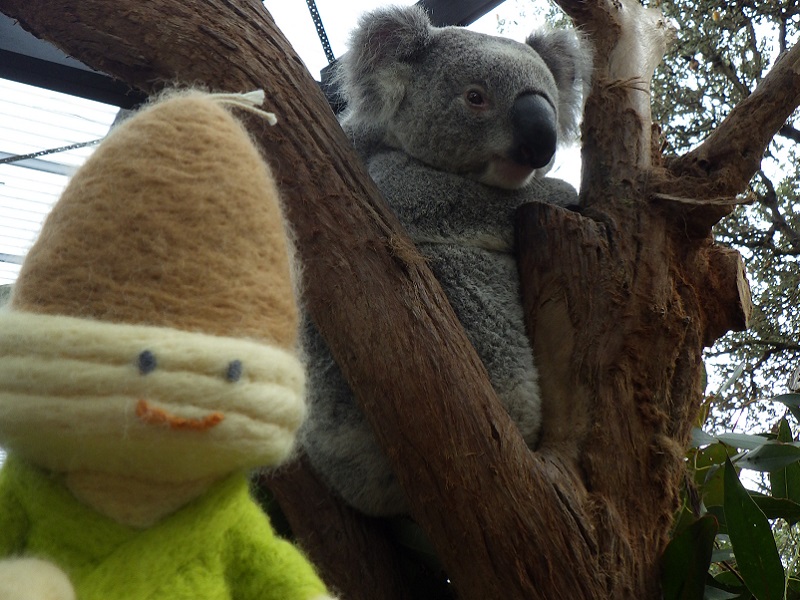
column 339, row 18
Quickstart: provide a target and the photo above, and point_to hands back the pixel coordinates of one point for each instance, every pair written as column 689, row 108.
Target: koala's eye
column 146, row 362
column 476, row 98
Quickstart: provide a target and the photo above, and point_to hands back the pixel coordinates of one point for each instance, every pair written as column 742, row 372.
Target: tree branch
column 726, row 161
column 365, row 568
column 628, row 42
column 770, row 200
column 726, row 70
column 790, row 133
column 770, row 344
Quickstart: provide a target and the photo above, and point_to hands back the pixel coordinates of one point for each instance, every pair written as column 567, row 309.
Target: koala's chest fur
column 465, row 231
column 482, row 286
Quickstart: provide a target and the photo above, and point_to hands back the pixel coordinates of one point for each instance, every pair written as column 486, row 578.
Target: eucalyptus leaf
column 713, row 490
column 742, row 440
column 707, row 472
column 770, row 457
column 728, row 581
column 785, row 482
column 754, row 546
column 686, row 560
column 737, row 372
column 778, row 508
column 712, row 593
column 701, row 438
column 787, row 399
column 737, row 440
column 711, row 456
column 794, row 584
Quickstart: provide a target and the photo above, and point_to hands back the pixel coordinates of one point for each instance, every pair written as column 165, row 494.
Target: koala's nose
column 535, row 135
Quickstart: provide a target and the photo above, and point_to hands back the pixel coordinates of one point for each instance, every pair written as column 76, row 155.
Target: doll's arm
column 13, row 522
column 24, row 578
column 33, row 579
column 266, row 567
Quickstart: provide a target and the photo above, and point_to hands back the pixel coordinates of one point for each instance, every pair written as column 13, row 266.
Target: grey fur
column 429, row 154
column 567, row 55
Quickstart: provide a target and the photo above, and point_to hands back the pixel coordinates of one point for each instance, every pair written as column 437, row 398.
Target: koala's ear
column 375, row 71
column 567, row 55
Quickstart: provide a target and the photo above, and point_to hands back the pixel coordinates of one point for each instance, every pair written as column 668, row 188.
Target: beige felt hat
column 173, row 221
column 153, row 326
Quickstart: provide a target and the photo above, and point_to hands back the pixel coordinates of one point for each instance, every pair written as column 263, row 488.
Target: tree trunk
column 620, row 300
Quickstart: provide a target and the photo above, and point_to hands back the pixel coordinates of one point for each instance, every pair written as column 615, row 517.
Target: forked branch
column 725, row 162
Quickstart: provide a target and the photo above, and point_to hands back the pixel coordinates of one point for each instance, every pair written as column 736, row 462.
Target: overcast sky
column 339, row 18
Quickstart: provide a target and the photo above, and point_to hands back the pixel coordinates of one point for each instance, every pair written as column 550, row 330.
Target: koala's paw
column 33, row 579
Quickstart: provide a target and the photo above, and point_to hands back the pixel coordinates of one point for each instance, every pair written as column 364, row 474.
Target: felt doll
column 147, row 359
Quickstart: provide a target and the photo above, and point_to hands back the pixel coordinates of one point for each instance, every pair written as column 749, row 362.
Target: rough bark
column 620, row 300
column 351, row 552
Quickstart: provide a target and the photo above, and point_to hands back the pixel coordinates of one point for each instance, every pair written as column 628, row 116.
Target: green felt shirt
column 219, row 547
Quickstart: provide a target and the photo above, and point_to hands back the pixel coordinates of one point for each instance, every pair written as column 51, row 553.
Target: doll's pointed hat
column 153, row 326
column 173, row 221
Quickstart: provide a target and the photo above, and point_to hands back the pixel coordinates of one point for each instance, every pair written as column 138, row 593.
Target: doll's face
column 151, row 402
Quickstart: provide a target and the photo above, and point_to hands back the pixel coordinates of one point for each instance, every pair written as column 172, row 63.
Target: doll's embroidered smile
column 152, row 415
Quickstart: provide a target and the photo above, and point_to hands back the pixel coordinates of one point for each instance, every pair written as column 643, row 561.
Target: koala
column 458, row 129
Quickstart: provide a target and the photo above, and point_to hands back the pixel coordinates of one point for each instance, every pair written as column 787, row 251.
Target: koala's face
column 479, row 106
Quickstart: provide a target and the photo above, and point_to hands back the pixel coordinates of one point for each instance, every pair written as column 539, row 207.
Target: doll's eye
column 146, row 362
column 234, row 371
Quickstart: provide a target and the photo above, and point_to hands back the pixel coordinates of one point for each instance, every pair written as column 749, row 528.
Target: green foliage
column 730, row 541
column 687, row 559
column 751, row 537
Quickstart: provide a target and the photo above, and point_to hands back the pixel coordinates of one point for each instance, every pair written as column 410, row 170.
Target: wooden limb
column 628, row 42
column 618, row 322
column 351, row 550
column 729, row 157
column 729, row 304
column 594, row 377
column 697, row 216
column 595, row 17
column 790, row 133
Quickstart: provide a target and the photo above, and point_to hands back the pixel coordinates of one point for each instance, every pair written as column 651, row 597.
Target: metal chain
column 20, row 157
column 323, row 37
